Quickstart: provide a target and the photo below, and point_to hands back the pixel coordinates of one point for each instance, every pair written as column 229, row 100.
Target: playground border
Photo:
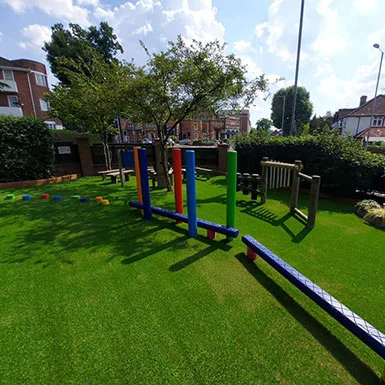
column 39, row 182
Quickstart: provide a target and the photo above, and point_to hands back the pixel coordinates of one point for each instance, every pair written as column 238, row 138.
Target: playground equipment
column 99, row 199
column 26, row 197
column 84, row 199
column 76, row 197
column 191, row 219
column 44, row 196
column 277, row 175
column 57, row 198
column 105, row 202
column 366, row 332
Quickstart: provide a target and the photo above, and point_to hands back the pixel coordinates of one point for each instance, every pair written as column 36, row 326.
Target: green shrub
column 362, row 208
column 26, row 149
column 343, row 164
column 376, row 217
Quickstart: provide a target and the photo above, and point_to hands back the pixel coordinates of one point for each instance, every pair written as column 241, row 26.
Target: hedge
column 27, row 151
column 343, row 164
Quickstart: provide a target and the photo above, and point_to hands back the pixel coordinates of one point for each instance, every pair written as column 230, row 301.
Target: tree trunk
column 106, row 150
column 165, row 166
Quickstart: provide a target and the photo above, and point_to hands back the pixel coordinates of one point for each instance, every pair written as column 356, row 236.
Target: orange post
column 177, row 167
column 137, row 174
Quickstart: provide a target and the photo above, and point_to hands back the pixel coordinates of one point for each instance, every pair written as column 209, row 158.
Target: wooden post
column 314, row 193
column 264, row 177
column 295, row 186
column 120, row 163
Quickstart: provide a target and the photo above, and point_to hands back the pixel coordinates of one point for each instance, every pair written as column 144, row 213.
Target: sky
column 338, row 62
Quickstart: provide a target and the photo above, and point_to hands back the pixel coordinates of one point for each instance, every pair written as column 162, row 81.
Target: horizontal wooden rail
column 304, row 176
column 269, row 163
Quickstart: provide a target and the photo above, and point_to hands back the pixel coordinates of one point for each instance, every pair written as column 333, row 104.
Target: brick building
column 225, row 126
column 26, row 82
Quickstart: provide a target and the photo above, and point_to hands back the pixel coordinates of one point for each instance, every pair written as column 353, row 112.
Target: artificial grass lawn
column 93, row 294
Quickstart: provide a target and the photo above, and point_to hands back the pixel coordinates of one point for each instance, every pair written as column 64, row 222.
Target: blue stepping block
column 57, row 198
column 83, row 199
column 26, row 197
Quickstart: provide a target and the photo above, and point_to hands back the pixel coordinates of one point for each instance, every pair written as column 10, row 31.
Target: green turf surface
column 93, row 294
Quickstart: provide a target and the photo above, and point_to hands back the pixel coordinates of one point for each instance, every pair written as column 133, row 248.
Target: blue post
column 191, row 194
column 144, row 184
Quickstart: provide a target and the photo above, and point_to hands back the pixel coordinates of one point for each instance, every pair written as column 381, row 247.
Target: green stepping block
column 10, row 196
column 76, row 197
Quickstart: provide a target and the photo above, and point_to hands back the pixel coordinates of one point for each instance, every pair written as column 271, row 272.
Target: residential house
column 359, row 121
column 26, row 83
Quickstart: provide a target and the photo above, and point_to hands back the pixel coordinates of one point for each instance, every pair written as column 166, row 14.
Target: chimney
column 363, row 100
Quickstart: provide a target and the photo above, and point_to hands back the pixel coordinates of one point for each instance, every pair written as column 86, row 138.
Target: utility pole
column 293, row 126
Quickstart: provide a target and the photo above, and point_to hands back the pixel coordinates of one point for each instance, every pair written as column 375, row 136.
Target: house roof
column 366, row 109
column 375, row 132
column 6, row 63
column 342, row 112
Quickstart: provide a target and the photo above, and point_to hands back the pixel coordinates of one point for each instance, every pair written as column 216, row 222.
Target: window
column 195, row 126
column 378, row 121
column 41, row 80
column 13, row 101
column 51, row 125
column 44, row 106
column 7, row 75
column 195, row 136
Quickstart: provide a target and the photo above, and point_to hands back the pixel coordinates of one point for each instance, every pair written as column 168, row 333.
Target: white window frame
column 8, row 71
column 44, row 105
column 195, row 126
column 196, row 136
column 41, row 79
column 11, row 104
column 50, row 124
column 378, row 121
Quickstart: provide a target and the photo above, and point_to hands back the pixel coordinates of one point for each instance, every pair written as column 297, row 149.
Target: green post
column 231, row 189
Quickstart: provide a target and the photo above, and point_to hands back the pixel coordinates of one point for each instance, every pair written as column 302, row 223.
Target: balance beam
column 366, row 332
column 215, row 227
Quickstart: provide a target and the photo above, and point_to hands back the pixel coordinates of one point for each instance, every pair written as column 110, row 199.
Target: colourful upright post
column 191, row 194
column 137, row 174
column 231, row 189
column 177, row 167
column 144, row 184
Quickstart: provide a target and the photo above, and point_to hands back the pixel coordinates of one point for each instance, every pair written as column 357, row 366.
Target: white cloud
column 36, row 35
column 93, row 3
column 156, row 22
column 377, row 37
column 328, row 41
column 60, row 9
column 241, row 46
column 365, row 7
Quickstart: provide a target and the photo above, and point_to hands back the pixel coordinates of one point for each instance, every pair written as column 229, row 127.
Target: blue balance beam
column 351, row 321
column 228, row 231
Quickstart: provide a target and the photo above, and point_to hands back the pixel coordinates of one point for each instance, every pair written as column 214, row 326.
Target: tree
column 264, row 124
column 92, row 100
column 284, row 98
column 318, row 125
column 185, row 80
column 81, row 46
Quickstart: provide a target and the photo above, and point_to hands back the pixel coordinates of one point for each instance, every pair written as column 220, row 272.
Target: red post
column 177, row 167
column 211, row 234
column 251, row 254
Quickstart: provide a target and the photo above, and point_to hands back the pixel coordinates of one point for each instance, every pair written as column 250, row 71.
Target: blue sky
column 338, row 62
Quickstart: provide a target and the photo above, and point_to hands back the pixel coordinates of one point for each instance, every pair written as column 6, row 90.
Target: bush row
column 343, row 164
column 26, row 149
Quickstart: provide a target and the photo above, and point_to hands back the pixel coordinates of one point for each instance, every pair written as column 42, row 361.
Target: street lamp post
column 293, row 126
column 377, row 46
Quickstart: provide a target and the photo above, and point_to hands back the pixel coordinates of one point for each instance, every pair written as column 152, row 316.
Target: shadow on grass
column 358, row 369
column 259, row 211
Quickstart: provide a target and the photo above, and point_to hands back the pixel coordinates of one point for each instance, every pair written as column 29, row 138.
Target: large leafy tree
column 81, row 46
column 92, row 100
column 186, row 80
column 283, row 100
